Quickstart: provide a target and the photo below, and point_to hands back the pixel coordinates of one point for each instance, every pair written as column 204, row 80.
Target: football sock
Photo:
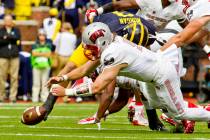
column 154, row 122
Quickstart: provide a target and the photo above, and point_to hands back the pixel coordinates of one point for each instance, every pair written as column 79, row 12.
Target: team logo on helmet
column 96, row 35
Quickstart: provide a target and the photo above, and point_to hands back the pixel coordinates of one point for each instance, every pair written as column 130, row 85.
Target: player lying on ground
column 137, row 87
column 164, row 36
column 169, row 10
column 166, row 11
column 169, row 34
column 118, row 13
column 119, row 20
column 119, row 55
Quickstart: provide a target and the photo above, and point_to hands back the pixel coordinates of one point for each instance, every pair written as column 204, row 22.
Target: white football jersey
column 153, row 10
column 165, row 36
column 199, row 9
column 143, row 64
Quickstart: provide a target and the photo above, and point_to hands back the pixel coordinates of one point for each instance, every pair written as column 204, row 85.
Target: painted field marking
column 56, row 105
column 59, row 117
column 60, row 108
column 65, row 136
column 72, row 128
column 92, row 137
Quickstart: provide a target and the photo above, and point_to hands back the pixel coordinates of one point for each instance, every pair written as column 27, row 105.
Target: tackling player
column 163, row 35
column 160, row 12
column 119, row 56
column 138, row 33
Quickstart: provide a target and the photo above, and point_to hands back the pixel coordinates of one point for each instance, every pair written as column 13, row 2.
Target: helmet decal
column 96, row 35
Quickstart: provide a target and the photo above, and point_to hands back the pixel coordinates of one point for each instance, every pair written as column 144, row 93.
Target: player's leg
column 150, row 100
column 171, row 96
column 131, row 109
column 138, row 118
column 118, row 103
column 154, row 122
column 166, row 117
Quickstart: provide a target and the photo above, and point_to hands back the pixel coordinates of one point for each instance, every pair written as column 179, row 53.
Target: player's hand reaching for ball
column 57, row 90
column 56, row 80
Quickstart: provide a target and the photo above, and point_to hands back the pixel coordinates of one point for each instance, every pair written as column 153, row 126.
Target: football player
column 119, row 56
column 135, row 33
column 163, row 35
column 198, row 13
column 160, row 12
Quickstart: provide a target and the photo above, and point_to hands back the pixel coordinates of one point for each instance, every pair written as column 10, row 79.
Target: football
column 33, row 115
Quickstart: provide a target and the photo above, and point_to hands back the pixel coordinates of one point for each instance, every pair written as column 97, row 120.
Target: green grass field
column 62, row 125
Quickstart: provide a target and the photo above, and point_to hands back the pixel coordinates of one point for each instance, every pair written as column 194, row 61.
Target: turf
column 62, row 125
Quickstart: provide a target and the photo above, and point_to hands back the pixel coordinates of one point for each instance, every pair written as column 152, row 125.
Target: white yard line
column 92, row 137
column 57, row 105
column 72, row 128
column 60, row 108
column 65, row 136
column 61, row 117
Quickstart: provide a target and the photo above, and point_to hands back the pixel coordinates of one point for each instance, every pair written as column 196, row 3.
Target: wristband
column 206, row 48
column 100, row 10
column 69, row 92
column 83, row 89
column 65, row 77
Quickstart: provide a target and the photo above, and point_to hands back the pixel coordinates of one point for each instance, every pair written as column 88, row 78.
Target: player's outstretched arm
column 105, row 100
column 189, row 31
column 75, row 74
column 101, row 82
column 120, row 5
column 110, row 7
column 84, row 70
column 106, row 77
column 68, row 68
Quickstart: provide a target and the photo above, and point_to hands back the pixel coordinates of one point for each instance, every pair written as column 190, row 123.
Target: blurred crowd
column 23, row 74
